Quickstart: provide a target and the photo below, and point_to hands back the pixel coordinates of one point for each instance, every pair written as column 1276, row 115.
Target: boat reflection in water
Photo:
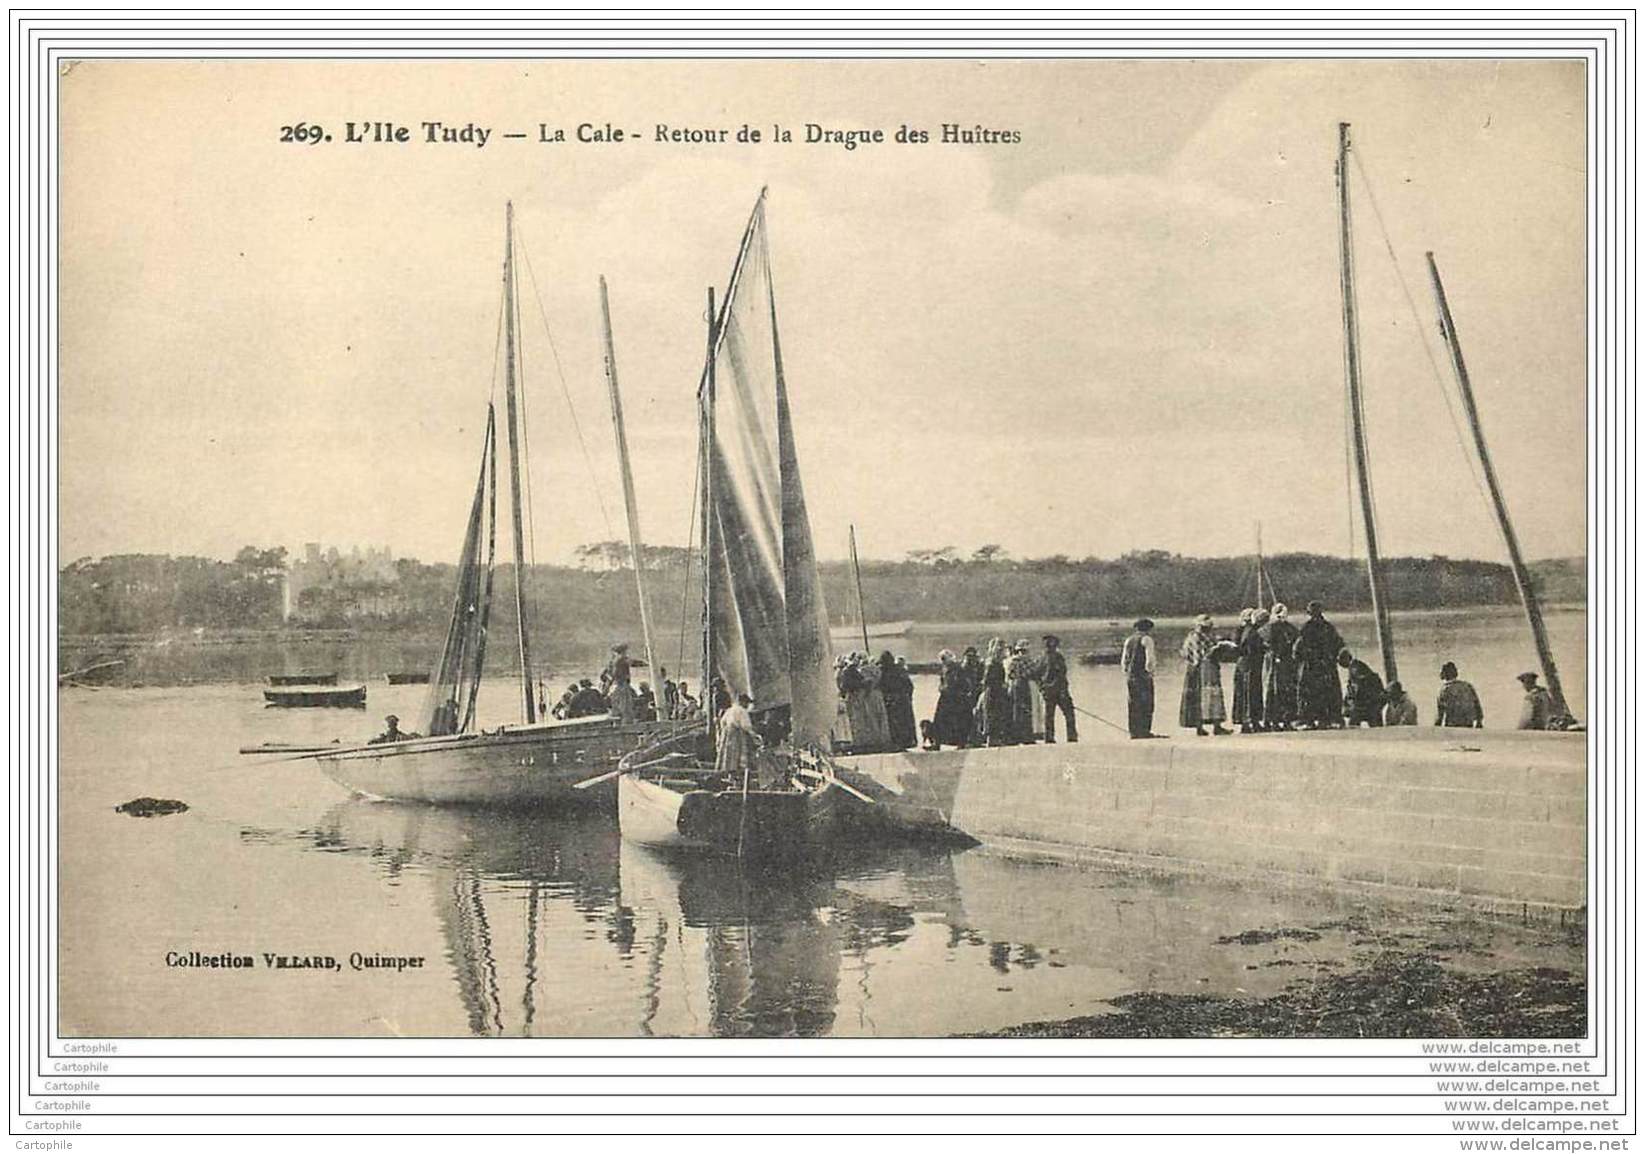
column 549, row 925
column 552, row 926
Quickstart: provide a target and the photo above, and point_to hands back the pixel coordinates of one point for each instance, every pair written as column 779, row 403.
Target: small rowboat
column 316, row 696
column 302, row 679
column 1100, row 657
column 409, row 678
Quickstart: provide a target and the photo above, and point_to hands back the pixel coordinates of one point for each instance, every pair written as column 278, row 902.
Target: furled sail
column 454, row 685
column 766, row 608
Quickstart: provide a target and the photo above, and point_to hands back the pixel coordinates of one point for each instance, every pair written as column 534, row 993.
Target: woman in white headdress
column 1202, row 702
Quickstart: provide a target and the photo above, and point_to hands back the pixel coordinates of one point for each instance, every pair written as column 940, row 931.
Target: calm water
column 550, row 926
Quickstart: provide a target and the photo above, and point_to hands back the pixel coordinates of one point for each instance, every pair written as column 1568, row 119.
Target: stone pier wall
column 1495, row 819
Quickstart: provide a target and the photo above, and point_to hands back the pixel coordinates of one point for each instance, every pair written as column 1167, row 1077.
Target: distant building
column 356, row 585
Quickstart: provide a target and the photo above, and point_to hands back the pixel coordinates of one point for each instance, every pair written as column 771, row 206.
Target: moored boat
column 316, row 696
column 537, row 761
column 513, row 766
column 673, row 796
column 758, row 785
column 302, row 679
column 407, row 678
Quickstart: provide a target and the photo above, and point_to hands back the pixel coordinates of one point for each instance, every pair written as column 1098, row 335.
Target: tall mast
column 1522, row 576
column 1260, row 604
column 629, row 502
column 510, row 359
column 1356, row 410
column 710, row 563
column 862, row 610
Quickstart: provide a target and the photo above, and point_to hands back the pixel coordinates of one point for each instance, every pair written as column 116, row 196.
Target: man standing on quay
column 1054, row 688
column 1137, row 663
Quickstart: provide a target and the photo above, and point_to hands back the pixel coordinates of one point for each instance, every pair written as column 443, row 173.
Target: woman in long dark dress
column 1248, row 671
column 1019, row 684
column 1279, row 670
column 1319, row 693
column 952, row 723
column 898, row 690
column 994, row 703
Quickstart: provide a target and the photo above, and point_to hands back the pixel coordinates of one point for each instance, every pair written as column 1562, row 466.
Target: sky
column 1121, row 332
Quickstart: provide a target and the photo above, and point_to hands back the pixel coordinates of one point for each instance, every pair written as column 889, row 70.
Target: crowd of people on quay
column 1289, row 677
column 1007, row 697
column 1285, row 677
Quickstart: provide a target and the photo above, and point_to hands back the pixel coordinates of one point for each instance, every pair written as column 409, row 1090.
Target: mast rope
column 565, row 389
column 690, row 534
column 1422, row 333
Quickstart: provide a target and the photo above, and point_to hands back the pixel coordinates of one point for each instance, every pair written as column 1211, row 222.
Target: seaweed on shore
column 1396, row 996
column 150, row 807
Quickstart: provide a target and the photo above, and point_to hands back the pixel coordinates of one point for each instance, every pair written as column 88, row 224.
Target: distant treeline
column 151, row 595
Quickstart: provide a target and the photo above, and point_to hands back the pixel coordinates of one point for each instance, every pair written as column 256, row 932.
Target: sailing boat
column 539, row 760
column 765, row 625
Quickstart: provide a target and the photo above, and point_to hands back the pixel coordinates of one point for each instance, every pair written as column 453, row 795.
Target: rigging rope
column 1440, row 378
column 565, row 389
column 690, row 535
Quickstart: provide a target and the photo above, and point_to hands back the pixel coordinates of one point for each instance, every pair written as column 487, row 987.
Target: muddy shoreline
column 1400, row 986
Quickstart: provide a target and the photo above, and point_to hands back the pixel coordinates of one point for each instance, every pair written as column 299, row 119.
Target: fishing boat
column 532, row 763
column 316, row 696
column 765, row 624
column 874, row 630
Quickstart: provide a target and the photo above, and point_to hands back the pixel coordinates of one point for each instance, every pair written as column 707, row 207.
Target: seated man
column 392, row 733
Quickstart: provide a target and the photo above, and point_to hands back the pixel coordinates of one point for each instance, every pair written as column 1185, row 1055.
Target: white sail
column 769, row 621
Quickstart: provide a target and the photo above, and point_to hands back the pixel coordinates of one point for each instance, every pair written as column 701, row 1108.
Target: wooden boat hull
column 406, row 678
column 528, row 765
column 882, row 629
column 302, row 679
column 317, row 697
column 763, row 823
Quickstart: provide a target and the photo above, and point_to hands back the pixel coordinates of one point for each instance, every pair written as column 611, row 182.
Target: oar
column 835, row 779
column 588, row 781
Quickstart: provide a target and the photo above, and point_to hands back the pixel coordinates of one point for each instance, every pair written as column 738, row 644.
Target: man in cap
column 1459, row 706
column 392, row 733
column 1538, row 707
column 1137, row 663
column 1053, row 673
column 624, row 701
column 1400, row 710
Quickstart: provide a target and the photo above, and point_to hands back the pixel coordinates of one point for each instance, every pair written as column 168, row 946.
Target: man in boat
column 1364, row 699
column 1537, row 710
column 1053, row 671
column 619, row 683
column 736, row 751
column 1401, row 710
column 686, row 707
column 1319, row 693
column 719, row 696
column 1137, row 663
column 392, row 733
column 589, row 702
column 646, row 703
column 670, row 706
column 1458, row 706
column 1279, row 673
